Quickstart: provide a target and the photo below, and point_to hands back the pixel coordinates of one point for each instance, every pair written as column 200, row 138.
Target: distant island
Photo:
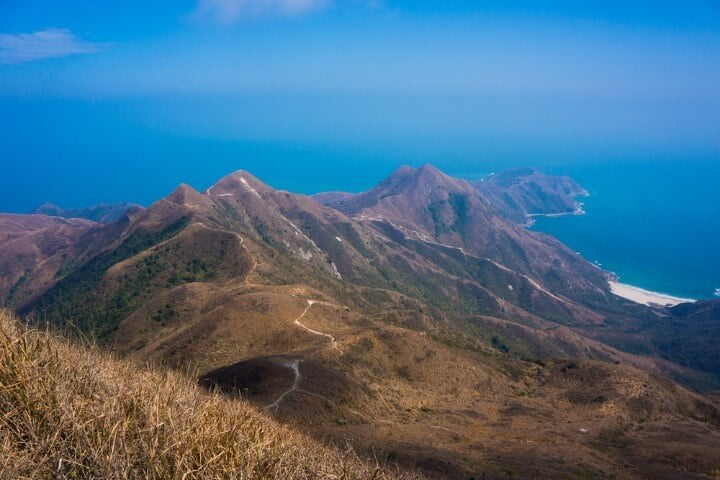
column 102, row 213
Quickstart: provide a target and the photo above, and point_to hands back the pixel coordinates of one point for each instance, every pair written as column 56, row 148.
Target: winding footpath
column 294, row 364
column 240, row 240
column 333, row 342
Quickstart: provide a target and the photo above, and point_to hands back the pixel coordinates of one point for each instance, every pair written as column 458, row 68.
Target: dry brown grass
column 67, row 411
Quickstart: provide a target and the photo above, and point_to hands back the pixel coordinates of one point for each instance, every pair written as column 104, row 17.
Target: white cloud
column 233, row 11
column 48, row 43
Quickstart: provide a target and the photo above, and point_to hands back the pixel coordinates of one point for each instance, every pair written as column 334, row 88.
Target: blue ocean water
column 653, row 220
column 656, row 224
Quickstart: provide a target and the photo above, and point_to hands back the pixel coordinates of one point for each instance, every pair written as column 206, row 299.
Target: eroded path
column 332, row 339
column 294, row 364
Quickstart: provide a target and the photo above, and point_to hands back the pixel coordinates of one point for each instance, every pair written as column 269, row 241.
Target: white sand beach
column 645, row 297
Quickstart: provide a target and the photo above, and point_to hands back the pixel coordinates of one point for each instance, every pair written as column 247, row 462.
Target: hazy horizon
column 141, row 99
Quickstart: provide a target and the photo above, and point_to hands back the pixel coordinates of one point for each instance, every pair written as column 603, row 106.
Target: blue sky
column 121, row 90
column 210, row 47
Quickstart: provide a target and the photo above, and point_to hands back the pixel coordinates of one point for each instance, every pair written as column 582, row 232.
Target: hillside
column 68, row 411
column 75, row 411
column 36, row 251
column 461, row 269
column 413, row 321
column 425, row 204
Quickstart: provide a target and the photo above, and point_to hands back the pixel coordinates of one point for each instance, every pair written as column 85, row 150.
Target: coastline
column 624, row 290
column 578, row 211
column 530, row 221
column 645, row 297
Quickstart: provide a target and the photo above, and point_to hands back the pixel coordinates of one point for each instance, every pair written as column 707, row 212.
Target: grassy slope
column 73, row 412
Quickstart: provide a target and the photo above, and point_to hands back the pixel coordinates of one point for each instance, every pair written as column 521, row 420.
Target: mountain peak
column 423, row 170
column 429, row 168
column 424, row 177
column 184, row 194
column 406, row 173
column 428, row 172
column 402, row 170
column 237, row 183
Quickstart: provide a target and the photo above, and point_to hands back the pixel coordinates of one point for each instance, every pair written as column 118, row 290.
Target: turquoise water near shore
column 656, row 224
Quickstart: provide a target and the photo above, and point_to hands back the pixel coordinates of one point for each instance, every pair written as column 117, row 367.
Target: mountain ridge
column 419, row 282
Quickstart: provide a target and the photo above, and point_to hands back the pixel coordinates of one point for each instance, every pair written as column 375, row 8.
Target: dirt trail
column 240, row 239
column 333, row 341
column 294, row 364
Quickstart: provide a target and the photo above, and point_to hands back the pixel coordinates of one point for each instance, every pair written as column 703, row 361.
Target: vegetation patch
column 71, row 297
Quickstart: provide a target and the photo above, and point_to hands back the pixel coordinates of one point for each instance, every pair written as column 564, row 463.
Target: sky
column 110, row 101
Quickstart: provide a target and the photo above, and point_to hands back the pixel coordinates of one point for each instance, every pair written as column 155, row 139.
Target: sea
column 653, row 220
column 655, row 224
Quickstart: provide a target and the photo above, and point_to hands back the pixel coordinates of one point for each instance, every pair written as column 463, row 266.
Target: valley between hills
column 420, row 323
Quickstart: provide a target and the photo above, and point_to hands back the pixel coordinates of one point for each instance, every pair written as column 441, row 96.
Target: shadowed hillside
column 68, row 411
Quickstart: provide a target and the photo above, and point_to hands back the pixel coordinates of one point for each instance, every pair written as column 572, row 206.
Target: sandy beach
column 645, row 297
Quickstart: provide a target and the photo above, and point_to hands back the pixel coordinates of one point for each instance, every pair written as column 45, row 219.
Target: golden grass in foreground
column 68, row 411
